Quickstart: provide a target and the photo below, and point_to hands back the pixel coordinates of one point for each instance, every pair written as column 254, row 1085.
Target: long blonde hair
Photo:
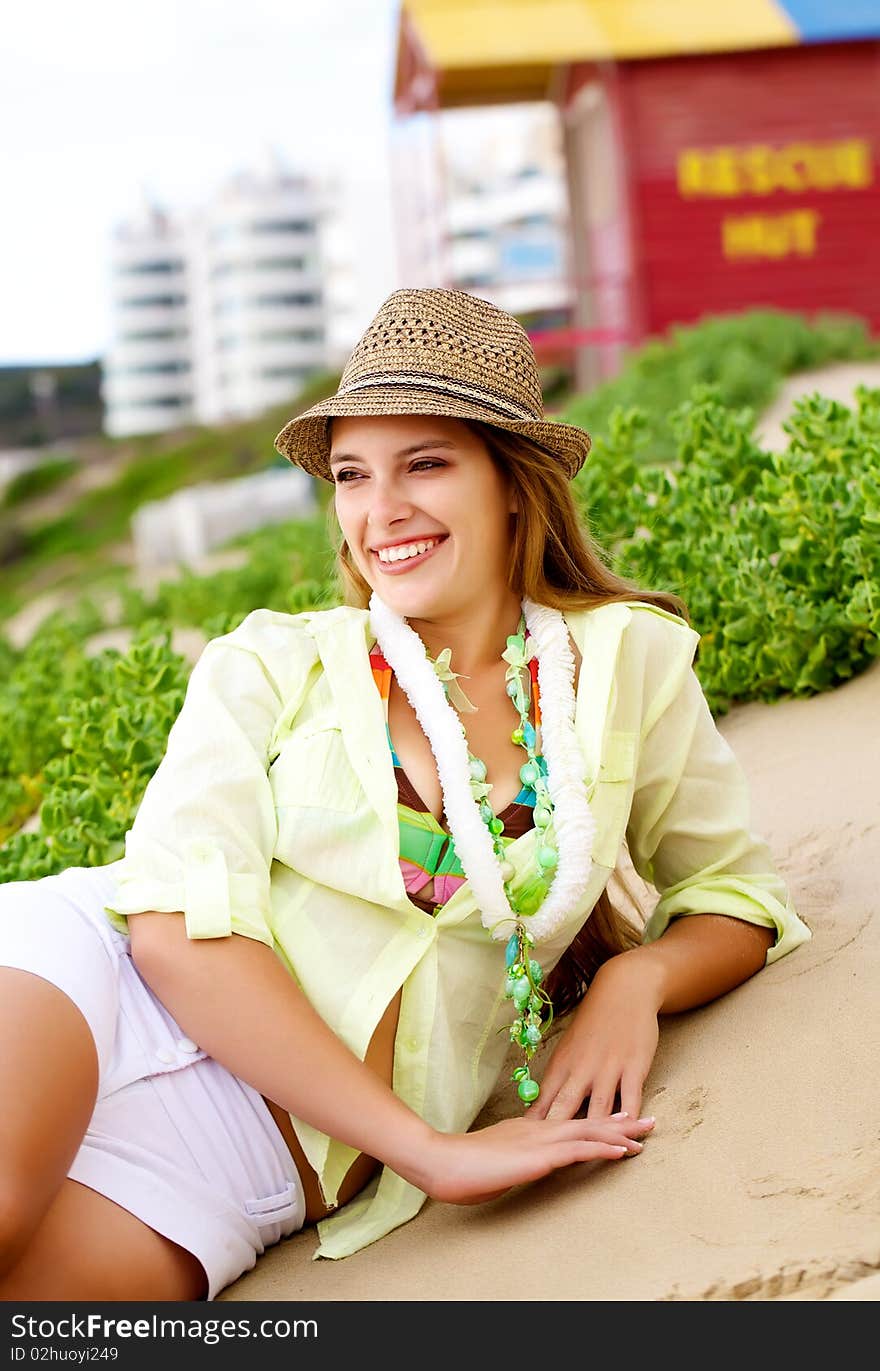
column 554, row 561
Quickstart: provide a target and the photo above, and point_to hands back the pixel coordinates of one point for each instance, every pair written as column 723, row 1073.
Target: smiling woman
column 373, row 858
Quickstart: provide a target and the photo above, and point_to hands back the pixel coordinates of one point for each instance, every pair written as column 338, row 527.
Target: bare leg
column 54, row 1232
column 88, row 1248
column 48, row 1085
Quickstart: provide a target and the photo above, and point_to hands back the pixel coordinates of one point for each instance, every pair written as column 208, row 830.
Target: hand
column 608, row 1046
column 470, row 1168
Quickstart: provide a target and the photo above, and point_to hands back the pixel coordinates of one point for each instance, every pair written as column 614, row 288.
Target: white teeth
column 405, row 550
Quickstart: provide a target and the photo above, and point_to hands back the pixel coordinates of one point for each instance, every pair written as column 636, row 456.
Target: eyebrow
column 403, row 452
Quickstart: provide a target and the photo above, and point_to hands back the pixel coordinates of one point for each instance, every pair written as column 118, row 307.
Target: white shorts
column 175, row 1138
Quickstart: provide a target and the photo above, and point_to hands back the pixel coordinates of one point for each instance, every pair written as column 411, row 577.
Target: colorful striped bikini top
column 427, row 852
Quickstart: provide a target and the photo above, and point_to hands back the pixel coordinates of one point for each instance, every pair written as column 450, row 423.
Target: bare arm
column 234, row 997
column 697, row 959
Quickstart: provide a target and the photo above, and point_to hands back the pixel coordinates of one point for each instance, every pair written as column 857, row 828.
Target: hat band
column 441, row 385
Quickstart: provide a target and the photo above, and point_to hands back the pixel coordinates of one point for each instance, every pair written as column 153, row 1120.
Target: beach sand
column 762, row 1178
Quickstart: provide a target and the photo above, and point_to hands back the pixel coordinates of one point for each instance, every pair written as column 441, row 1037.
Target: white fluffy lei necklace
column 574, row 825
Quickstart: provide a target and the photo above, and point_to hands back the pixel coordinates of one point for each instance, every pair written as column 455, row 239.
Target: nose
column 388, row 503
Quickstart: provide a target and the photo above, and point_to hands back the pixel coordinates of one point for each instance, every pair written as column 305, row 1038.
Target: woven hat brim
column 305, row 440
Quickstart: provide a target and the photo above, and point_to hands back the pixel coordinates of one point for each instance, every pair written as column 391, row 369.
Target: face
column 424, row 510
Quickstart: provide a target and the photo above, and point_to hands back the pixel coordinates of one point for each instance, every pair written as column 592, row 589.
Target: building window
column 282, row 226
column 289, row 335
column 158, row 268
column 280, row 264
column 154, row 369
column 152, row 301
column 299, row 298
column 154, row 335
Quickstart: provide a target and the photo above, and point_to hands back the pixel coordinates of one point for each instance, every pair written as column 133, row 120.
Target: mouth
column 396, row 560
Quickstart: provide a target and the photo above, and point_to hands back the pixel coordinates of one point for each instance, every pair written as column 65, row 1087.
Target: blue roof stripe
column 819, row 21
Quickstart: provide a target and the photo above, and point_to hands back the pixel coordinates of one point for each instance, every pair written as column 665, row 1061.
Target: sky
column 105, row 101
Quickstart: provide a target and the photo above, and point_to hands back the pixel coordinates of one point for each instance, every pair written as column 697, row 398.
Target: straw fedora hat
column 437, row 352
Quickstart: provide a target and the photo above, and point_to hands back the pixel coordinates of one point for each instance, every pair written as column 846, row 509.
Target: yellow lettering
column 723, row 177
column 691, row 174
column 756, row 164
column 741, row 236
column 804, row 231
column 854, row 163
column 758, row 169
column 770, row 235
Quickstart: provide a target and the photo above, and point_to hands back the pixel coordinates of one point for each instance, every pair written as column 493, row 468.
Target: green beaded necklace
column 534, row 1009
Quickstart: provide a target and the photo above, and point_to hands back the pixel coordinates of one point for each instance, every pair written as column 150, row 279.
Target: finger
column 592, row 1151
column 567, row 1100
column 602, row 1098
column 621, row 1130
column 631, row 1088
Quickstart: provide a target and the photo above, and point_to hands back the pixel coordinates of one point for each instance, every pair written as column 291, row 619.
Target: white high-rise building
column 221, row 315
column 148, row 373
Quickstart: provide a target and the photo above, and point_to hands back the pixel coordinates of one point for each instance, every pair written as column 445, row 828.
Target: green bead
column 509, row 987
column 529, row 773
column 535, row 1003
column 533, row 1036
column 486, row 811
column 508, row 870
column 521, row 993
column 520, row 1074
column 542, row 817
column 511, row 952
column 536, row 971
column 517, row 736
column 496, row 826
column 547, row 858
column 528, row 1090
column 477, row 769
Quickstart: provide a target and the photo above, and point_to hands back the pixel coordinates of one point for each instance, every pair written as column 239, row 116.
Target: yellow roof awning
column 482, row 51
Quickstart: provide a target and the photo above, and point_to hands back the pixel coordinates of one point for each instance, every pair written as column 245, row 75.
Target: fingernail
column 622, row 1115
column 619, row 1148
column 648, row 1119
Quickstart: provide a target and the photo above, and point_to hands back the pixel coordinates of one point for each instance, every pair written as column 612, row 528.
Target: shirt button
column 187, row 1045
column 164, row 1055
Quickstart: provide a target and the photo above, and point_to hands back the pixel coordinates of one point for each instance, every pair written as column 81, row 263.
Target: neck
column 477, row 635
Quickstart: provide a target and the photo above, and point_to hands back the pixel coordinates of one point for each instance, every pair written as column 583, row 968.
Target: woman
column 373, row 858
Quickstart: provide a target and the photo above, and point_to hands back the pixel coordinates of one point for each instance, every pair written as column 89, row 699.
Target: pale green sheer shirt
column 273, row 814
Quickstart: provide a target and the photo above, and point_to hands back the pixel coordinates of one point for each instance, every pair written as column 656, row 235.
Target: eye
column 426, row 462
column 342, row 476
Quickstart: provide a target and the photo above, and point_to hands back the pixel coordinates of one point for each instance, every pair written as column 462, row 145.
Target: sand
column 762, row 1178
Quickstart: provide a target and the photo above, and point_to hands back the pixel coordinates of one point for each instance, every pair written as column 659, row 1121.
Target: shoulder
column 286, row 646
column 269, row 631
column 647, row 650
column 636, row 621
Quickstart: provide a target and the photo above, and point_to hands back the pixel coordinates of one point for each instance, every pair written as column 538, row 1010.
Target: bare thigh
column 89, row 1248
column 48, row 1085
column 53, row 1230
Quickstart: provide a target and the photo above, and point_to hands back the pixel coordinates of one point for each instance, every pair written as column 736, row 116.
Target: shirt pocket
column 313, row 771
column 612, row 796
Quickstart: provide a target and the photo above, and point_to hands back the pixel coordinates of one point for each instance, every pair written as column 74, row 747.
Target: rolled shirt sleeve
column 689, row 831
column 204, row 834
